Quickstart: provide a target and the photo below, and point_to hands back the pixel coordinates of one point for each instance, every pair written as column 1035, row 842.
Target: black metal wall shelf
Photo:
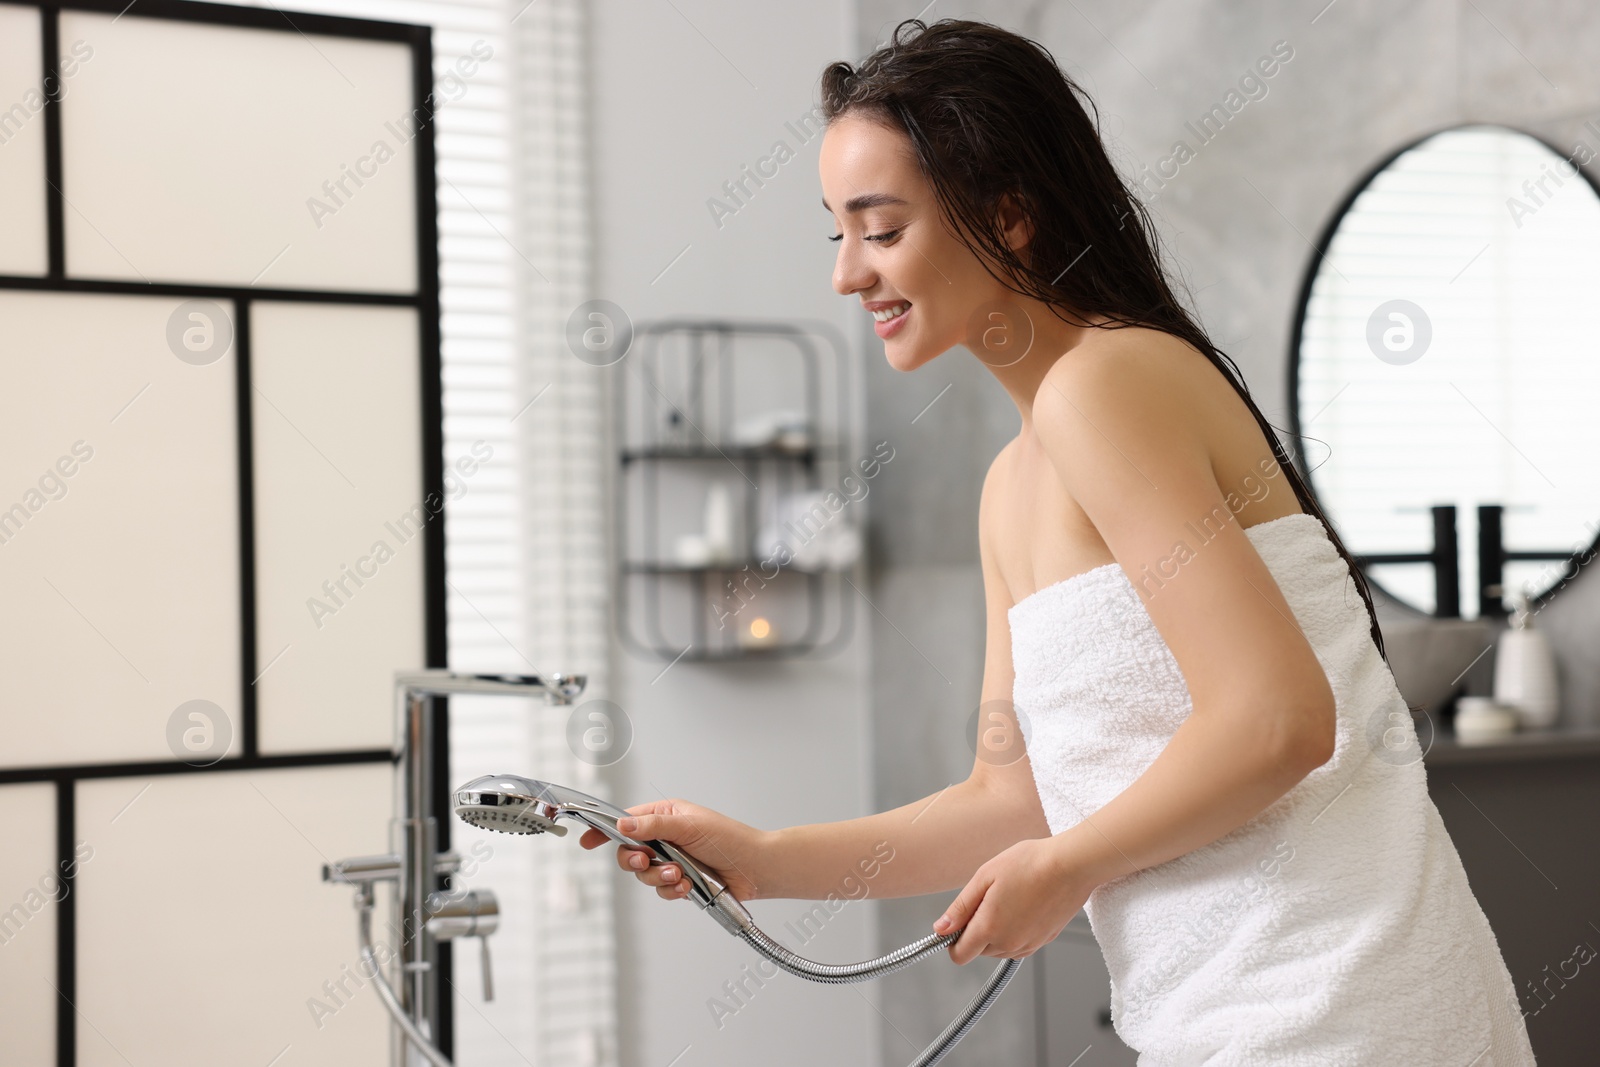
column 675, row 416
column 805, row 455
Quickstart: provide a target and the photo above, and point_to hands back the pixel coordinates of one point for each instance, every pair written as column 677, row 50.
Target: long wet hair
column 989, row 113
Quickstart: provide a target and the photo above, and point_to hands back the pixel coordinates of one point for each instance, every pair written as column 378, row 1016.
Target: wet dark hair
column 989, row 113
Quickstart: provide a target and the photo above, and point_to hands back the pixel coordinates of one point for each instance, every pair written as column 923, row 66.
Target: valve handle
column 488, row 969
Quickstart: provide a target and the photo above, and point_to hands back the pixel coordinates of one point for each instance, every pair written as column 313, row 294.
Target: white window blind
column 1490, row 236
column 525, row 560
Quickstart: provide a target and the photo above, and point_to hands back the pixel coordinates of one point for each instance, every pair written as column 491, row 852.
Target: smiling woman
column 1224, row 777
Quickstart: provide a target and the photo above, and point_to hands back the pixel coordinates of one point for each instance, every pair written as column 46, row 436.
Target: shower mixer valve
column 512, row 804
column 429, row 914
column 446, row 915
column 467, row 913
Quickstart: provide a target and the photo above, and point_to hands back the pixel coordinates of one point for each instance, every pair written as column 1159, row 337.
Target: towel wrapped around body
column 1334, row 929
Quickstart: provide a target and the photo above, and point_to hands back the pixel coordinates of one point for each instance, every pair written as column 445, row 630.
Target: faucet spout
column 556, row 688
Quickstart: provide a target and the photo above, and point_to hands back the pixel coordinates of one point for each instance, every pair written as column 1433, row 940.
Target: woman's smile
column 890, row 316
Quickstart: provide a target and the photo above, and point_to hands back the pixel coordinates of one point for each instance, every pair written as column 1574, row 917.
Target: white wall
column 684, row 94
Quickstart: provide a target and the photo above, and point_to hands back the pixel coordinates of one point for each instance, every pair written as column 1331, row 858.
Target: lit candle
column 757, row 633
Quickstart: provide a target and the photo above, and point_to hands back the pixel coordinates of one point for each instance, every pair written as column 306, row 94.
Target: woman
column 1219, row 769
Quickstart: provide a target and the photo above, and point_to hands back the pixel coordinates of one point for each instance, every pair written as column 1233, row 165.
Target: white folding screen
column 340, row 587
column 204, row 930
column 23, row 240
column 219, row 389
column 30, row 885
column 526, row 582
column 302, row 152
column 119, row 542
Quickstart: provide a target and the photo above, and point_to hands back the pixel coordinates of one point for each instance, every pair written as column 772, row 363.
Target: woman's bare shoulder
column 1133, row 373
column 999, row 475
column 1138, row 354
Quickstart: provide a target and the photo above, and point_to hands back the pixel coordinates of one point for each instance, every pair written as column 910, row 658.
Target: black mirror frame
column 1574, row 562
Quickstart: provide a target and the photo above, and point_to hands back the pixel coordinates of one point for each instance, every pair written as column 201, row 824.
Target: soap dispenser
column 1525, row 670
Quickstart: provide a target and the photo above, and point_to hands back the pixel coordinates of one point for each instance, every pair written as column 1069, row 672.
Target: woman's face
column 895, row 248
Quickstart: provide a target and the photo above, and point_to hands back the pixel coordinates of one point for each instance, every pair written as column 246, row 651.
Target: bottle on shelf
column 719, row 523
column 1525, row 669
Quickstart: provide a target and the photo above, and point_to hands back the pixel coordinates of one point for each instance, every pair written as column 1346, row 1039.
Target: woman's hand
column 1016, row 903
column 727, row 848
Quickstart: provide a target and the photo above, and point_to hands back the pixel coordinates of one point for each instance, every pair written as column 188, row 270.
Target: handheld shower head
column 510, row 803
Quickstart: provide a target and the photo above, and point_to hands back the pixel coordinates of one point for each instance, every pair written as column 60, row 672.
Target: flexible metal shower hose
column 845, row 973
column 391, row 1001
column 900, row 958
column 970, row 1014
column 831, row 973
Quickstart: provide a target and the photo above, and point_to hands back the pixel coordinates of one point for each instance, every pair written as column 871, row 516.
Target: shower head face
column 510, row 804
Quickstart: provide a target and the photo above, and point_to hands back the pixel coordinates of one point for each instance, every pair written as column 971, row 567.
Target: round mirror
column 1445, row 378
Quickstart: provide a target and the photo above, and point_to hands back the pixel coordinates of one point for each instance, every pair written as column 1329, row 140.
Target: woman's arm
column 1132, row 455
column 1129, row 449
column 940, row 840
column 932, row 845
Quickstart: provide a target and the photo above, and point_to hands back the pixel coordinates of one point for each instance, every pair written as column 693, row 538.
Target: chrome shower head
column 512, row 804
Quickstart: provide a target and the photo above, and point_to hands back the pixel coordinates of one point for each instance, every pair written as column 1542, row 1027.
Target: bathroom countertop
column 1557, row 742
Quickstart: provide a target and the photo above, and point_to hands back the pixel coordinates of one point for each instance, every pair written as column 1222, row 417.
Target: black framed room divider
column 329, row 432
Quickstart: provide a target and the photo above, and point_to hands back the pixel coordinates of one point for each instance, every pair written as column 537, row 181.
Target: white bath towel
column 1334, row 929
